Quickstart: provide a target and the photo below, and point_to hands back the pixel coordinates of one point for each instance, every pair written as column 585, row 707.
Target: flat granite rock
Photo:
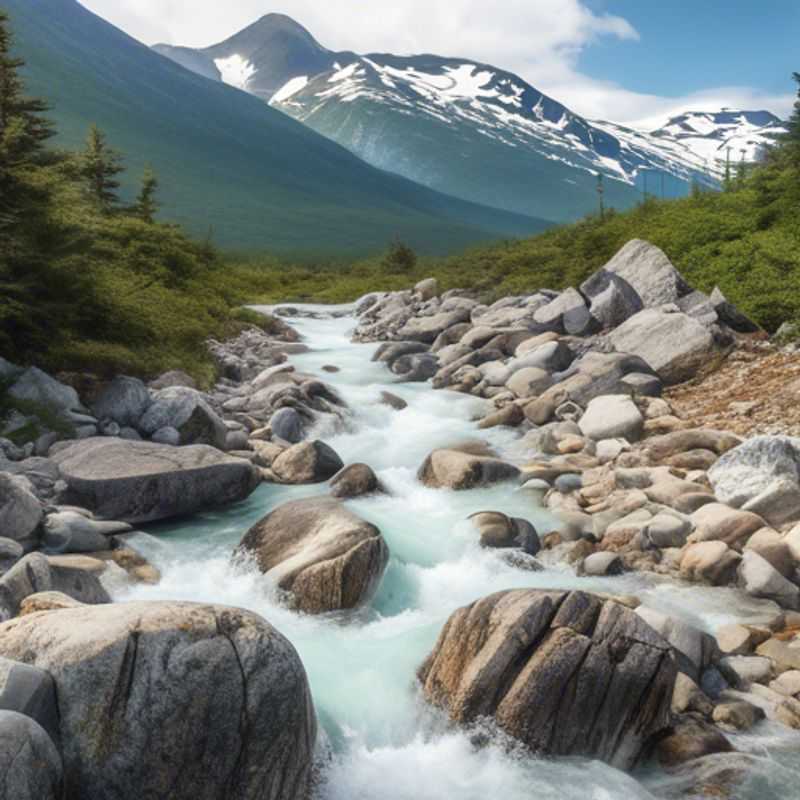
column 139, row 482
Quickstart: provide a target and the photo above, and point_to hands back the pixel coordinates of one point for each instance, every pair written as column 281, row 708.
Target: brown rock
column 710, row 562
column 451, row 469
column 328, row 558
column 691, row 738
column 563, row 672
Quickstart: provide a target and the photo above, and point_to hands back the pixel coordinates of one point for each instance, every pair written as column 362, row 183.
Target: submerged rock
column 328, row 558
column 177, row 700
column 566, row 673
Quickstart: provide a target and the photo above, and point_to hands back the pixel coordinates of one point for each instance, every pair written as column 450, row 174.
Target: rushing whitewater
column 384, row 743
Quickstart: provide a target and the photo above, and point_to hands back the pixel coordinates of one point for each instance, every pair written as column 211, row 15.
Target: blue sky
column 630, row 61
column 690, row 46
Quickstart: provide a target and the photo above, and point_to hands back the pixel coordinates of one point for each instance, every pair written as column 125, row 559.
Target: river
column 384, row 743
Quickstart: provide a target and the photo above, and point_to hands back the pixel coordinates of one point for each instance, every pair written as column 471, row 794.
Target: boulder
column 661, row 448
column 168, row 435
column 738, row 715
column 720, row 523
column 427, row 289
column 748, row 475
column 602, row 564
column 644, row 268
column 389, row 352
column 612, row 299
column 452, row 469
column 72, row 532
column 35, row 574
column 742, row 671
column 416, row 368
column 566, row 673
column 178, row 700
column 142, row 482
column 611, row 417
column 689, row 740
column 187, row 411
column 710, row 562
column 287, row 424
column 20, row 511
column 771, row 546
column 568, row 313
column 510, row 416
column 760, row 579
column 32, row 692
column 500, row 531
column 730, row 315
column 124, row 401
column 29, row 760
column 38, row 387
column 327, row 557
column 426, row 329
column 551, row 356
column 529, row 382
column 355, row 480
column 675, row 345
column 694, row 649
column 307, row 462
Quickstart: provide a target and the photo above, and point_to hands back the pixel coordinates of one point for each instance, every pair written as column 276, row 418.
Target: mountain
column 227, row 161
column 466, row 128
column 260, row 59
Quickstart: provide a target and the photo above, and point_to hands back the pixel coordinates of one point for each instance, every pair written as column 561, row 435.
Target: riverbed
column 381, row 741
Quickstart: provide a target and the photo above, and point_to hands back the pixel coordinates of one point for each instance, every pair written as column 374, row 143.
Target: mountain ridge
column 225, row 159
column 496, row 139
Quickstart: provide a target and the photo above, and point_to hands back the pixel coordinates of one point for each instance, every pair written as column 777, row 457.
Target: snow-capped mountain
column 474, row 130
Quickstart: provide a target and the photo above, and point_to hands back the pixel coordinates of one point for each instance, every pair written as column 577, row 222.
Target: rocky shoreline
column 110, row 697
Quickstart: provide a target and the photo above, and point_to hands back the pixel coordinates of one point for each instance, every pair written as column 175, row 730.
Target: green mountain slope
column 228, row 162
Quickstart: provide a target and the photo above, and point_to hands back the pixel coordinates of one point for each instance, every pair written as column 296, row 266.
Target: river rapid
column 381, row 741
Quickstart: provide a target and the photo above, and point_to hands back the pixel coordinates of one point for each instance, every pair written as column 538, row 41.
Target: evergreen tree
column 399, row 258
column 146, row 204
column 23, row 133
column 791, row 140
column 100, row 168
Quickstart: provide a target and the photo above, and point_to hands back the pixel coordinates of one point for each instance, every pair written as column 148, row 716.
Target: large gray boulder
column 20, row 511
column 612, row 417
column 124, row 400
column 29, row 760
column 39, row 387
column 327, row 557
column 761, row 475
column 673, row 344
column 426, row 329
column 566, row 673
column 187, row 411
column 568, row 313
column 613, row 300
column 644, row 268
column 35, row 574
column 142, row 482
column 287, row 424
column 760, row 579
column 32, row 692
column 453, row 469
column 177, row 700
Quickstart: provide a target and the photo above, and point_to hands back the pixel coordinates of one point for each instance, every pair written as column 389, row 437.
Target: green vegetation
column 89, row 283
column 86, row 283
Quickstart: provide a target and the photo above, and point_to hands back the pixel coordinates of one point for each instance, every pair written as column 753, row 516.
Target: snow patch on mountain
column 236, row 71
column 289, row 89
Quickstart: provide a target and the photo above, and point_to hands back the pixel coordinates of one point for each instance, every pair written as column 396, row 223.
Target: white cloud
column 541, row 40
